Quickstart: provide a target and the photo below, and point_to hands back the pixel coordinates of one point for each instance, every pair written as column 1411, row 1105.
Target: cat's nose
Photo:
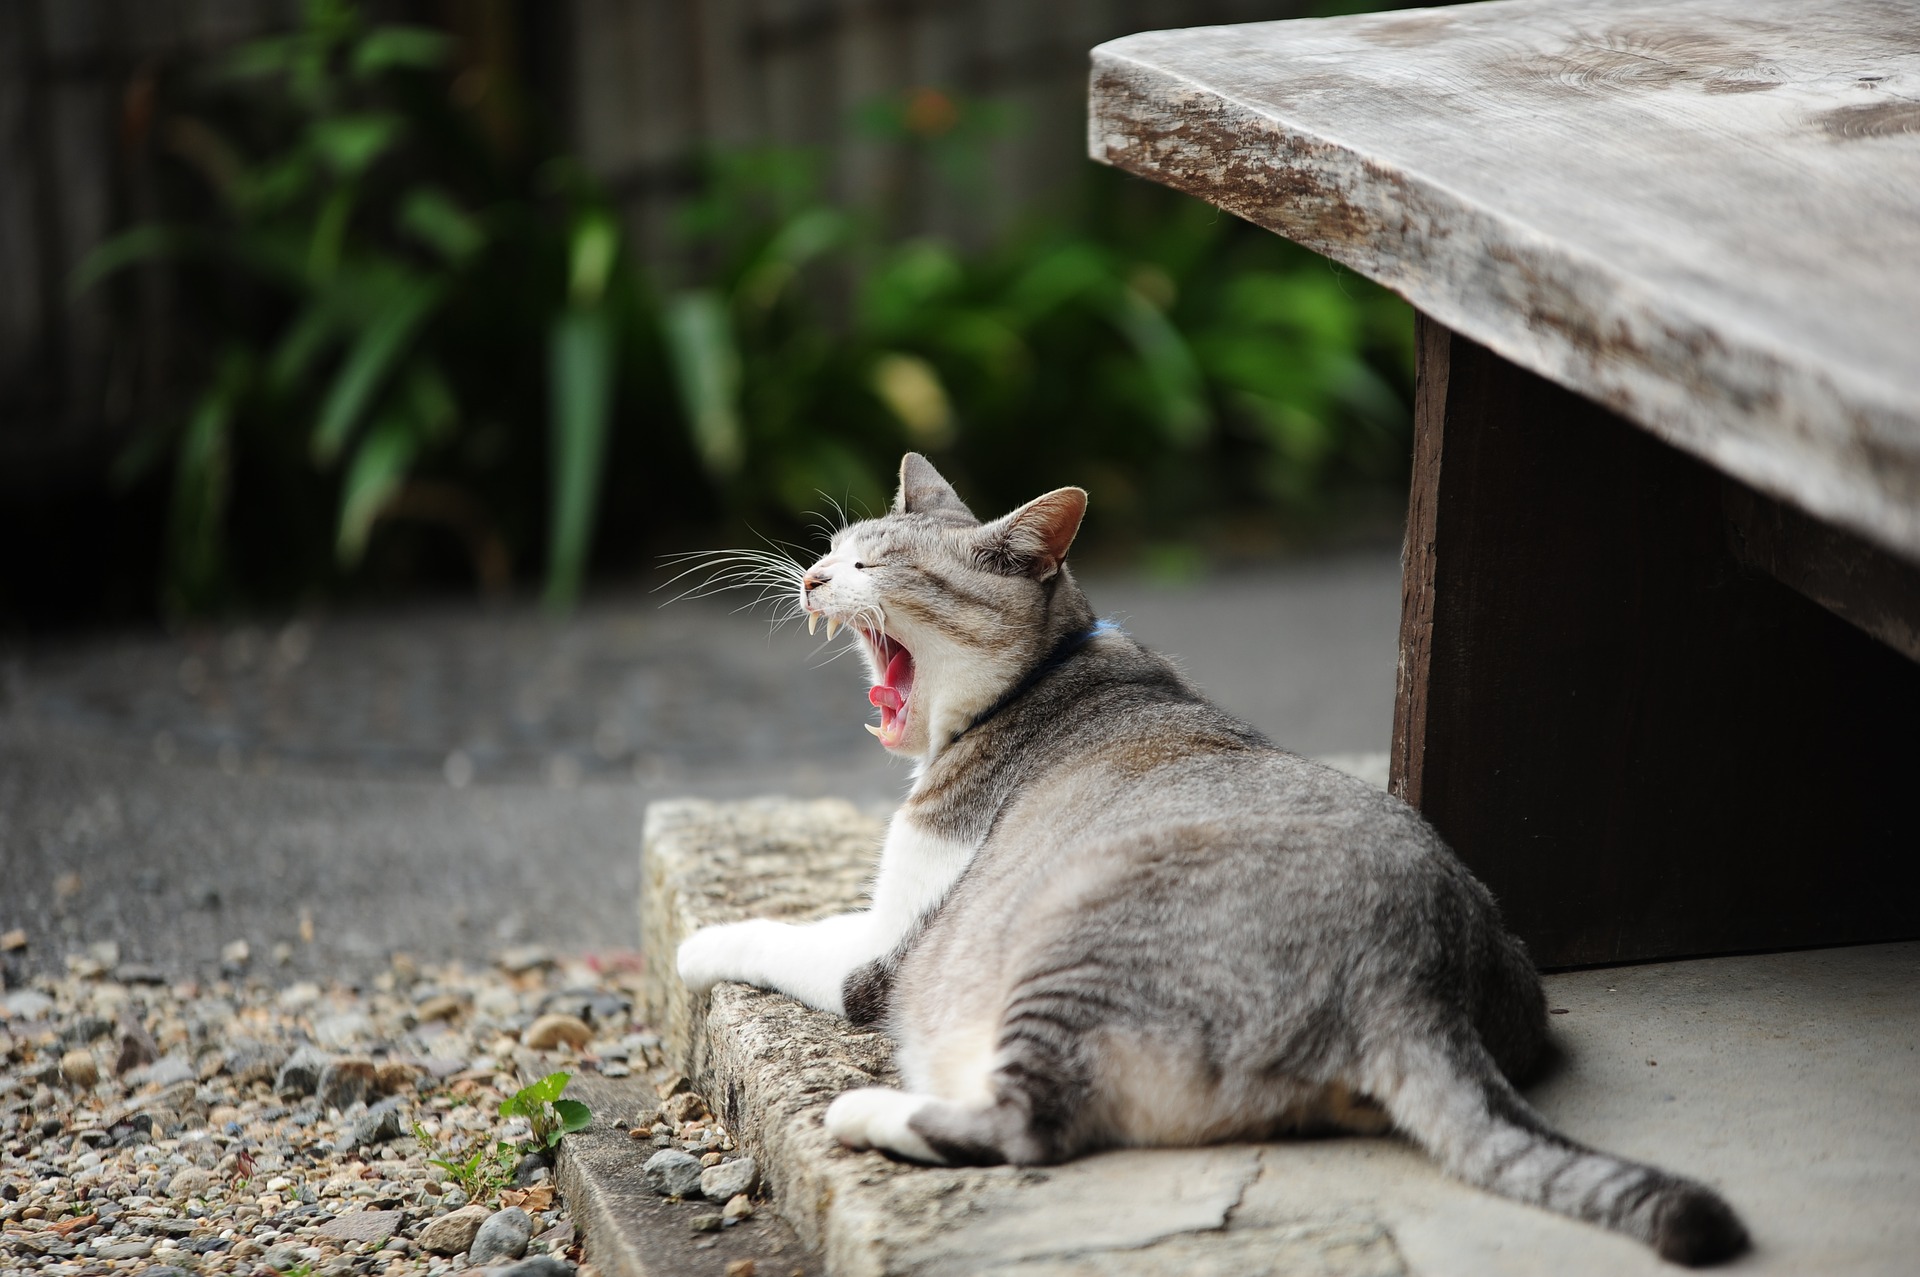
column 814, row 577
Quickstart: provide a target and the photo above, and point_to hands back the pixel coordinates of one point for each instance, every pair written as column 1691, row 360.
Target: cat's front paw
column 879, row 1117
column 713, row 954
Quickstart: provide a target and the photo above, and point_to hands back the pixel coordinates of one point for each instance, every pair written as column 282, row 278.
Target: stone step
column 1743, row 1072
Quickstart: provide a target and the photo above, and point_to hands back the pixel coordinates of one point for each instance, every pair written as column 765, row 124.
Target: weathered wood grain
column 1643, row 745
column 1704, row 214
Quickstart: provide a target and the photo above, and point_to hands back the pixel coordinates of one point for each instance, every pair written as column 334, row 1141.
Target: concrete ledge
column 631, row 1231
column 1786, row 1079
column 772, row 1066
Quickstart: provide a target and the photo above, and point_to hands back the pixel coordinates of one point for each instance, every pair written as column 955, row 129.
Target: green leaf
column 1060, row 275
column 706, row 367
column 801, row 239
column 271, row 56
column 547, row 1089
column 431, row 399
column 580, row 389
column 378, row 469
column 385, row 48
column 595, row 242
column 430, row 216
column 329, row 229
column 1170, row 367
column 123, row 250
column 352, row 142
column 574, row 1116
column 200, row 483
column 305, row 338
column 367, row 363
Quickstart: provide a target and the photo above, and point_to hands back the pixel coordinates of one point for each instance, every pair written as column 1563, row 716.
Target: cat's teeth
column 813, row 622
column 875, row 730
column 832, row 625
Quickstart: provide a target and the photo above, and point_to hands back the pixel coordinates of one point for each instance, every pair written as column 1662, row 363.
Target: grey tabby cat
column 1110, row 914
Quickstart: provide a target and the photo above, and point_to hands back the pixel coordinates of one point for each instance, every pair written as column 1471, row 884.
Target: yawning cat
column 1108, row 913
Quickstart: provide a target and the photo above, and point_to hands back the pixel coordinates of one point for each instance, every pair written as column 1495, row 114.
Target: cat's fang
column 875, row 730
column 833, row 624
column 813, row 620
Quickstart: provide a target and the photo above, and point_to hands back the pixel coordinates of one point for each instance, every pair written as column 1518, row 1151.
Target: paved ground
column 442, row 780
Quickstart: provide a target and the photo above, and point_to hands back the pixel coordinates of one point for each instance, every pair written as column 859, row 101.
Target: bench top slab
column 1704, row 214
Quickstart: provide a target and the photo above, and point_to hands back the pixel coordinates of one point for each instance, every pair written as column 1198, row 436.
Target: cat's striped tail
column 1455, row 1103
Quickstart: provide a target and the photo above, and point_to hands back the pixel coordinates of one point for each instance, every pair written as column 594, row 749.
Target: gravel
column 673, row 1173
column 503, row 1235
column 727, row 1180
column 240, row 1144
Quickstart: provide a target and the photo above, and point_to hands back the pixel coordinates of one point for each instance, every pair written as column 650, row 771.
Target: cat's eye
column 858, row 566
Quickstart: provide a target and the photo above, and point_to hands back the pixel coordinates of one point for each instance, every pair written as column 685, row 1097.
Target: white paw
column 713, row 954
column 878, row 1117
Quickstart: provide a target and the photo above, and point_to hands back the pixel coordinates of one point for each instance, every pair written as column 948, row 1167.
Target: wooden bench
column 1661, row 614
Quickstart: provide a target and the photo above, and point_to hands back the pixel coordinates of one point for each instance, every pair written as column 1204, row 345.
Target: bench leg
column 1644, row 746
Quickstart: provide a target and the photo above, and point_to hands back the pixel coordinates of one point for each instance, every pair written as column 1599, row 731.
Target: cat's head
column 950, row 612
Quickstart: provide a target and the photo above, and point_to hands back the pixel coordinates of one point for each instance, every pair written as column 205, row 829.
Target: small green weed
column 480, row 1176
column 548, row 1114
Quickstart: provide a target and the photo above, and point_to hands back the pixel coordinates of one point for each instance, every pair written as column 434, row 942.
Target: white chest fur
column 812, row 962
column 917, row 869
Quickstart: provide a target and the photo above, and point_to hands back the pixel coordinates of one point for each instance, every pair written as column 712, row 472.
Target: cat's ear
column 923, row 491
column 1033, row 540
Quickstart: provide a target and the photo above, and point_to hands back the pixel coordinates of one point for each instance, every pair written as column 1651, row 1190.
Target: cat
column 1110, row 914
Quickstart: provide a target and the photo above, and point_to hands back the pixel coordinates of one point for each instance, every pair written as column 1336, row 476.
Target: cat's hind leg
column 880, row 1117
column 926, row 1128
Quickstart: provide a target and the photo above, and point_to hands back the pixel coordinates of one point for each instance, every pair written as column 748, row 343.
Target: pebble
column 299, row 996
column 503, row 1236
column 452, row 1233
column 536, row 1266
column 183, row 1161
column 247, row 1061
column 169, row 1070
column 688, row 1106
column 738, row 1207
column 124, row 1250
column 521, row 959
column 706, row 1223
column 441, row 1006
column 78, row 1068
column 26, row 1004
column 344, row 1082
column 301, row 1073
column 282, row 1257
column 191, row 1181
column 363, row 1225
column 346, row 1029
column 729, row 1179
column 740, row 1268
column 378, row 1124
column 672, row 1173
column 549, row 1031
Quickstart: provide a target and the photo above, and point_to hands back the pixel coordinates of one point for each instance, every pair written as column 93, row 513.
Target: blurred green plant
column 412, row 318
column 389, row 264
column 1190, row 361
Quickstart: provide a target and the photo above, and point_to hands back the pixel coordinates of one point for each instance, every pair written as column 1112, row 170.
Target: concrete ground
column 444, row 780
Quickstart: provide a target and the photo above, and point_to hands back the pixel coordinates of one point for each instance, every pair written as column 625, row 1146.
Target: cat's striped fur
column 1109, row 913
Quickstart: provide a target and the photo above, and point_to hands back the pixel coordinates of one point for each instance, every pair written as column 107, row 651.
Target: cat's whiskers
column 773, row 573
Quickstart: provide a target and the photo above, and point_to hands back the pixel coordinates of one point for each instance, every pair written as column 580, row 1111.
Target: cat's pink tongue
column 889, row 696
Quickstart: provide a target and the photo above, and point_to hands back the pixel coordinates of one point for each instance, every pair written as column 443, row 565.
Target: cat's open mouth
column 890, row 694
